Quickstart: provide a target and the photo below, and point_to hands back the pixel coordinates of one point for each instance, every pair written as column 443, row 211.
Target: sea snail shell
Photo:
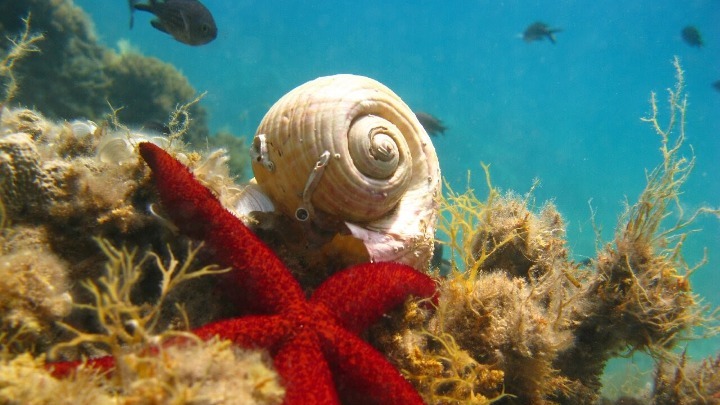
column 346, row 147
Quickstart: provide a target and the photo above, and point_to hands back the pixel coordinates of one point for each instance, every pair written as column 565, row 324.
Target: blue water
column 567, row 114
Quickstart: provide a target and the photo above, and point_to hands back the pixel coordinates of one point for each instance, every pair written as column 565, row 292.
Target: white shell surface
column 382, row 175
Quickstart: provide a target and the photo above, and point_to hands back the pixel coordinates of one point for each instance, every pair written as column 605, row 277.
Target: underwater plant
column 516, row 321
column 640, row 299
column 134, row 333
column 21, row 46
column 516, row 308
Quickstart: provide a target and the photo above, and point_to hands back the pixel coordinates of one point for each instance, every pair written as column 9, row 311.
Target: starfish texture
column 314, row 342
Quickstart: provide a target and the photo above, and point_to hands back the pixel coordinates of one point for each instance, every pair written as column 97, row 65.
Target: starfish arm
column 307, row 377
column 261, row 331
column 62, row 369
column 362, row 370
column 359, row 295
column 199, row 214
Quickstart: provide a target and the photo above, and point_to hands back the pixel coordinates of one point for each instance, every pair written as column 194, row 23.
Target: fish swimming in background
column 433, row 126
column 538, row 31
column 157, row 127
column 437, row 261
column 716, row 85
column 188, row 21
column 691, row 36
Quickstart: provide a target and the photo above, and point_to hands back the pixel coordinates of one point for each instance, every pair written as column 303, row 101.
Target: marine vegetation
column 212, row 371
column 519, row 322
column 89, row 274
column 313, row 341
column 75, row 76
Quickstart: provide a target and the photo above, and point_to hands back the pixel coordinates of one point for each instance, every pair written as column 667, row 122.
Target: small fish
column 437, row 260
column 691, row 36
column 433, row 126
column 538, row 31
column 188, row 21
column 716, row 85
column 157, row 127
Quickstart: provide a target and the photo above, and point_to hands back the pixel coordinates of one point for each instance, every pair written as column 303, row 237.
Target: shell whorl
column 348, row 147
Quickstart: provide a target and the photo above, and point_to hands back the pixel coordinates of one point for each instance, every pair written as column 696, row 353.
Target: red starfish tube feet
column 313, row 342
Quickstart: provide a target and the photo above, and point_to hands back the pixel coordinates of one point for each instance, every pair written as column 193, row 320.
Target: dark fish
column 157, row 126
column 433, row 126
column 188, row 21
column 716, row 85
column 538, row 31
column 437, row 260
column 691, row 36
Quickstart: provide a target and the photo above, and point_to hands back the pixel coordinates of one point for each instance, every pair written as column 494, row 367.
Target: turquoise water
column 567, row 114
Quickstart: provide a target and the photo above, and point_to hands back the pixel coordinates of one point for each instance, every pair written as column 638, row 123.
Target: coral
column 50, row 176
column 163, row 88
column 25, row 187
column 67, row 81
column 61, row 185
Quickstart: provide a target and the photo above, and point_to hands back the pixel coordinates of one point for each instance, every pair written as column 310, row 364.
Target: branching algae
column 211, row 372
column 519, row 322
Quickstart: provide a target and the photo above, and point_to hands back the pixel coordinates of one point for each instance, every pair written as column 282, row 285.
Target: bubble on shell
column 252, row 199
column 82, row 128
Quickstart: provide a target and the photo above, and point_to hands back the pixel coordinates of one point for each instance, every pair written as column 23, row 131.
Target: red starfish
column 313, row 342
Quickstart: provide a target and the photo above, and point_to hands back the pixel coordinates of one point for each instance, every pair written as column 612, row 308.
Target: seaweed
column 124, row 323
column 21, row 46
column 641, row 299
column 514, row 306
column 136, row 334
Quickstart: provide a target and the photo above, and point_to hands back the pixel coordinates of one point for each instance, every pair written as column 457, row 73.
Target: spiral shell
column 346, row 147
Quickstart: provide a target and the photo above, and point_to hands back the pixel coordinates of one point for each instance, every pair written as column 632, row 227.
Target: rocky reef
column 72, row 75
column 89, row 266
column 519, row 322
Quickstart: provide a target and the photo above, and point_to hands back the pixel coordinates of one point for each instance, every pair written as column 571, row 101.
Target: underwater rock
column 515, row 306
column 34, row 286
column 75, row 76
column 25, row 188
column 514, row 240
column 74, row 182
column 685, row 383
